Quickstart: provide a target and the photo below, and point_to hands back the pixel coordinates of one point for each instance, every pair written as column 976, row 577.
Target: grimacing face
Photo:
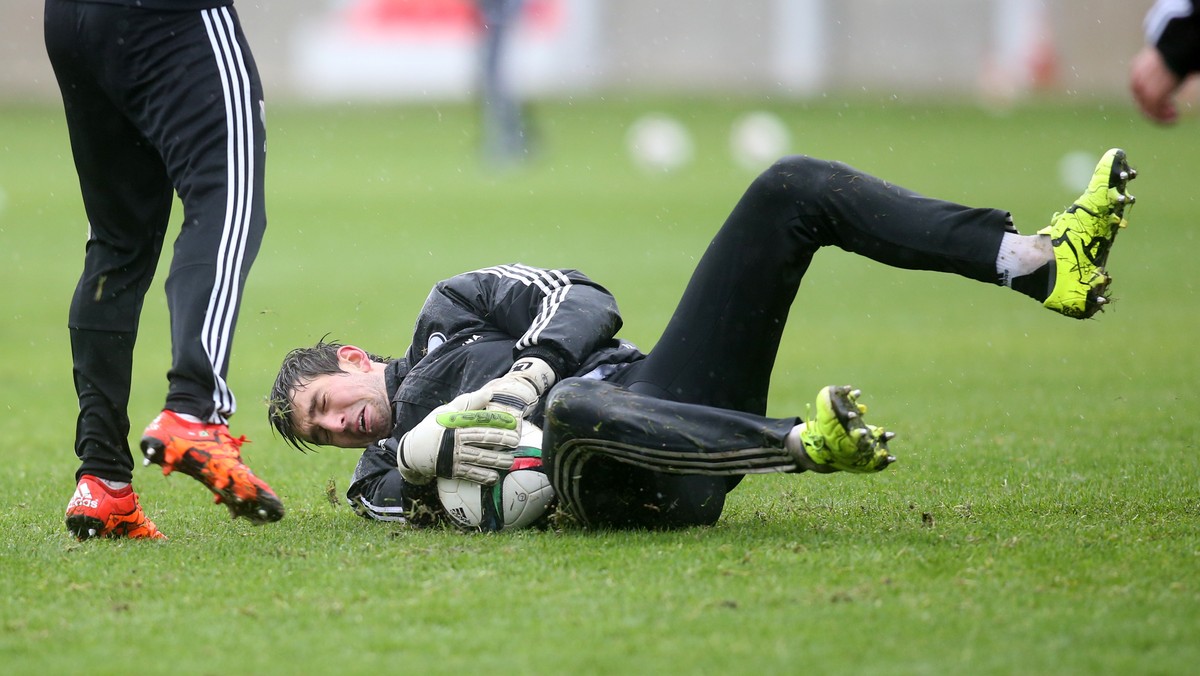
column 348, row 409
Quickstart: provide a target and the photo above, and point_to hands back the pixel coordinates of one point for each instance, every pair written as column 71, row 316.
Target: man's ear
column 353, row 359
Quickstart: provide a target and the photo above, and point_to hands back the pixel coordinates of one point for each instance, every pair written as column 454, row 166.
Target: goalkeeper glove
column 519, row 390
column 454, row 444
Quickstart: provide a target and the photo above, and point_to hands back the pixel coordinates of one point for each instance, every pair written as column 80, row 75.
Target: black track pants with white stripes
column 717, row 352
column 157, row 103
column 621, row 459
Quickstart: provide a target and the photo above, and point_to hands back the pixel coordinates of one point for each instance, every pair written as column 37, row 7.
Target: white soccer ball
column 757, row 139
column 1075, row 169
column 519, row 499
column 659, row 143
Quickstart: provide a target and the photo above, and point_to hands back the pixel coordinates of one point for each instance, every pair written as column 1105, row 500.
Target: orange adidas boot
column 206, row 452
column 97, row 511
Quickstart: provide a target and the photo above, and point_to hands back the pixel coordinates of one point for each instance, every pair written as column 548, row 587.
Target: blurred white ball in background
column 659, row 143
column 1075, row 169
column 757, row 139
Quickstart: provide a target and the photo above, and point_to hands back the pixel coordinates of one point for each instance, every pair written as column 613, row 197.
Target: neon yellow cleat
column 838, row 439
column 1083, row 235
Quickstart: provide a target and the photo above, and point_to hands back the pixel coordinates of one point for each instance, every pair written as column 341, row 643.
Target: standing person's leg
column 127, row 199
column 504, row 134
column 185, row 81
column 207, row 122
column 127, row 215
column 215, row 156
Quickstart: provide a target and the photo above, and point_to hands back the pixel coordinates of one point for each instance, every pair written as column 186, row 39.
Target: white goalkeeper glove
column 451, row 443
column 519, row 390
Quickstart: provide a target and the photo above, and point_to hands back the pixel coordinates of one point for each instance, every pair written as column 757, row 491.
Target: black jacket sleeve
column 1174, row 29
column 377, row 491
column 561, row 316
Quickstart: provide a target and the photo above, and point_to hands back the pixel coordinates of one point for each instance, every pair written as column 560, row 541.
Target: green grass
column 1043, row 517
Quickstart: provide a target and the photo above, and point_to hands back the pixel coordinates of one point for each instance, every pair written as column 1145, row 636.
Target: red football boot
column 207, row 453
column 97, row 511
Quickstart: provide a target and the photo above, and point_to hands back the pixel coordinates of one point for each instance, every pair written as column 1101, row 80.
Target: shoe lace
column 232, row 443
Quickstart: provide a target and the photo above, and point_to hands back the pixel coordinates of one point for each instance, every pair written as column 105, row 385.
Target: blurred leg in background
column 505, row 135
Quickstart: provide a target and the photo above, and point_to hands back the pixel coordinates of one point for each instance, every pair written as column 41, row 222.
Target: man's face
column 348, row 409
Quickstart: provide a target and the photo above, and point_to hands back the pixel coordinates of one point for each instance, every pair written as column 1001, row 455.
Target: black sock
column 1037, row 284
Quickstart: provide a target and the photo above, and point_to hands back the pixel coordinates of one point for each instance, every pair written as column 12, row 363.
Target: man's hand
column 1154, row 86
column 451, row 443
column 519, row 390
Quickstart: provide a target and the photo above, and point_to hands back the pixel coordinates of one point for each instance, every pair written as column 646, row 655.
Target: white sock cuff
column 1021, row 255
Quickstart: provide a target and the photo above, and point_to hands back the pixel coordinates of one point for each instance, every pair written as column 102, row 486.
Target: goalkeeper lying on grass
column 657, row 440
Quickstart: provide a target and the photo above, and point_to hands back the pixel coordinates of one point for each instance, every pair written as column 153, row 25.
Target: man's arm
column 377, row 491
column 1172, row 52
column 559, row 316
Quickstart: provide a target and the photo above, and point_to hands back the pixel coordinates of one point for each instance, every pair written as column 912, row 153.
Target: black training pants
column 157, row 103
column 691, row 414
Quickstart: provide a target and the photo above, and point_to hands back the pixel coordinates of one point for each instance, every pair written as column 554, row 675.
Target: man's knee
column 793, row 176
column 689, row 500
column 794, row 185
column 619, row 494
column 574, row 403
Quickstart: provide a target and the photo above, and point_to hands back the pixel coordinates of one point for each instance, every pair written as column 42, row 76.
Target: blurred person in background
column 162, row 97
column 1171, row 55
column 505, row 133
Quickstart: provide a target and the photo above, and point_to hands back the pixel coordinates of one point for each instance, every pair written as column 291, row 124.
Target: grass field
column 1044, row 516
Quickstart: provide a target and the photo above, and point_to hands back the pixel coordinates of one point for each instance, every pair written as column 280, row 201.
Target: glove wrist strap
column 537, row 371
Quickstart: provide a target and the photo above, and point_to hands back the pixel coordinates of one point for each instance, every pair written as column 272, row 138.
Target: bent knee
column 574, row 399
column 793, row 179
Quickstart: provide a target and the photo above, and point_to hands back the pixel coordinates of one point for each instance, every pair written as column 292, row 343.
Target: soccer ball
column 520, row 498
column 757, row 139
column 659, row 143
